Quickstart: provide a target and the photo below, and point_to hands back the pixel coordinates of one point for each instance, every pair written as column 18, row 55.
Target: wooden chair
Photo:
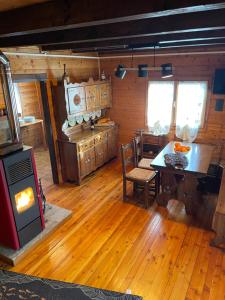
column 142, row 162
column 139, row 160
column 142, row 177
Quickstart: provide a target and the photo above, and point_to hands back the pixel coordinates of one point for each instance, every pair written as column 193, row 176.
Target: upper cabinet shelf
column 74, row 101
column 87, row 96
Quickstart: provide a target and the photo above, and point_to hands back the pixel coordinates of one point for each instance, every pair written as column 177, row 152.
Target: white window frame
column 174, row 109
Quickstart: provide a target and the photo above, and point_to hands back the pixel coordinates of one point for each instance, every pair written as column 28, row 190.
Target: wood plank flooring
column 157, row 253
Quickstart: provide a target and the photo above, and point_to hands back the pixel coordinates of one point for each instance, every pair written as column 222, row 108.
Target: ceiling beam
column 166, row 47
column 142, row 47
column 204, row 21
column 186, row 36
column 68, row 14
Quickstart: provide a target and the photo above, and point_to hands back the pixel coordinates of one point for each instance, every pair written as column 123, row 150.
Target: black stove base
column 29, row 232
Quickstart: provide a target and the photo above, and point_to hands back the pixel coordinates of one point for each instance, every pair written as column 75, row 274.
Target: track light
column 142, row 70
column 166, row 70
column 120, row 71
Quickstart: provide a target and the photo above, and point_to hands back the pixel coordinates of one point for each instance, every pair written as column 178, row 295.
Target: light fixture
column 166, row 70
column 120, row 71
column 142, row 70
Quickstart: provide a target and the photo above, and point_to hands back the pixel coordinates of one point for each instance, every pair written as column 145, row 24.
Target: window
column 188, row 99
column 160, row 106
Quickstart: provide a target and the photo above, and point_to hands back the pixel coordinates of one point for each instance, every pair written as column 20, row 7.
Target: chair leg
column 124, row 190
column 146, row 192
column 158, row 183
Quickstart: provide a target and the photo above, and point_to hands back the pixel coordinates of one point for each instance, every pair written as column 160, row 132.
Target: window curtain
column 160, row 105
column 191, row 99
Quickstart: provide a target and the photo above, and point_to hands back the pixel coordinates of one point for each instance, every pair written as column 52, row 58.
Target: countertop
column 87, row 133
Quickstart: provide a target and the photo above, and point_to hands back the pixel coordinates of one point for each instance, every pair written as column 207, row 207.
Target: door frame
column 42, row 78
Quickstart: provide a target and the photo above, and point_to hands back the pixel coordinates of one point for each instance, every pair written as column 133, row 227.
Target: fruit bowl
column 181, row 149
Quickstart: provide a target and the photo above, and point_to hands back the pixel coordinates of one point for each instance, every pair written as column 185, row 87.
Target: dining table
column 181, row 182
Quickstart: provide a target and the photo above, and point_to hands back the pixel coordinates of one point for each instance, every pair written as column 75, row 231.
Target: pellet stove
column 21, row 214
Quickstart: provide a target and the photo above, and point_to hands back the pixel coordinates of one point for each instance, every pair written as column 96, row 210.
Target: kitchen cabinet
column 105, row 95
column 87, row 153
column 101, row 149
column 76, row 101
column 112, row 143
column 87, row 162
column 91, row 97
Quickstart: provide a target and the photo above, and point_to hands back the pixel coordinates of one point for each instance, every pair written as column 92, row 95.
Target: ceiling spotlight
column 166, row 70
column 120, row 71
column 142, row 72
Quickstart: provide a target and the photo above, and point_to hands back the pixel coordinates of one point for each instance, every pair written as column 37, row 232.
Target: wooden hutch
column 82, row 149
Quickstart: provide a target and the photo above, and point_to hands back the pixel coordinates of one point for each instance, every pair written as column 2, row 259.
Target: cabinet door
column 112, row 143
column 75, row 100
column 90, row 91
column 97, row 100
column 87, row 162
column 99, row 155
column 91, row 160
column 83, row 164
column 105, row 95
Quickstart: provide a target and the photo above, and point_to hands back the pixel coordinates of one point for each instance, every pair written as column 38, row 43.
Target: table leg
column 191, row 196
column 169, row 188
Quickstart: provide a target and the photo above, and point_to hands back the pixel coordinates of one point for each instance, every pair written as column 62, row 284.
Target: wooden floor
column 158, row 254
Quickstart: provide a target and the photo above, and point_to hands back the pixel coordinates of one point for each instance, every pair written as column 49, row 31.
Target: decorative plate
column 86, row 117
column 65, row 125
column 72, row 121
column 76, row 99
column 92, row 115
column 79, row 119
column 98, row 113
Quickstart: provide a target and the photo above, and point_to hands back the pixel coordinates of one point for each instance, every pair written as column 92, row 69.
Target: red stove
column 21, row 213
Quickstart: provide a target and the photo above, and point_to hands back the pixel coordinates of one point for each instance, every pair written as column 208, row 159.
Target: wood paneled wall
column 30, row 99
column 130, row 94
column 78, row 70
column 31, row 106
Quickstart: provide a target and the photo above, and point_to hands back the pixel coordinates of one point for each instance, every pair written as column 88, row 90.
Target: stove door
column 24, row 201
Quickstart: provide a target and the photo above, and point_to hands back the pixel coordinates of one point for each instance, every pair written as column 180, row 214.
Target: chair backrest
column 127, row 156
column 137, row 145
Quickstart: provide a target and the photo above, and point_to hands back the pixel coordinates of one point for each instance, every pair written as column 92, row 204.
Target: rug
column 19, row 286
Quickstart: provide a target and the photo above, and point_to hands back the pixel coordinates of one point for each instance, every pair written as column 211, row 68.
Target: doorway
column 35, row 123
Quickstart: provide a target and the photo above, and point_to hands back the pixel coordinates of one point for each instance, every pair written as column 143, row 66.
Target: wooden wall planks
column 130, row 94
column 78, row 69
column 30, row 101
column 31, row 106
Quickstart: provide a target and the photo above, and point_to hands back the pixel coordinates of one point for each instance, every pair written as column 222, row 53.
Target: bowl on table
column 181, row 149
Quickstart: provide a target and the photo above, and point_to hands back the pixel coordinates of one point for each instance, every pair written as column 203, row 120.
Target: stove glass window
column 24, row 200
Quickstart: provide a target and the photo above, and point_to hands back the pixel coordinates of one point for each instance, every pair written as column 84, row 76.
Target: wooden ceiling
column 113, row 25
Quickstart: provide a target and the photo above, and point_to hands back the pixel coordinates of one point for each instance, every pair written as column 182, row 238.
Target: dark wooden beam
column 124, row 42
column 204, row 21
column 182, row 48
column 142, row 47
column 65, row 14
